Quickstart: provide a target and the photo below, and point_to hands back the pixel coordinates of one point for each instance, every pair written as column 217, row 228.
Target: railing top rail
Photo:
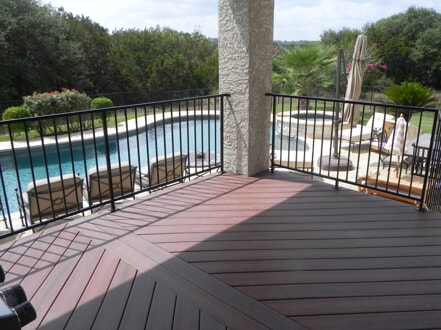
column 115, row 108
column 366, row 103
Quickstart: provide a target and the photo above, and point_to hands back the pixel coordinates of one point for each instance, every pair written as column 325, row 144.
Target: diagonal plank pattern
column 225, row 251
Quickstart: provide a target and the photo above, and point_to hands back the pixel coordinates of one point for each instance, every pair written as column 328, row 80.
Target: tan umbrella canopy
column 355, row 80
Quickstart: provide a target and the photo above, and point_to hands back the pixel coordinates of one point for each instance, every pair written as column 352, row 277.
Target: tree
column 90, row 46
column 427, row 58
column 304, row 69
column 397, row 37
column 344, row 39
column 35, row 52
column 162, row 60
column 46, row 49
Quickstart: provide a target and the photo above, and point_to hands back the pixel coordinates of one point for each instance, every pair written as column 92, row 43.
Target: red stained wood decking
column 225, row 251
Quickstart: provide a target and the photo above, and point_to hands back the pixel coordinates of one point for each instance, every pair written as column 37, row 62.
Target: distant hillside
column 292, row 44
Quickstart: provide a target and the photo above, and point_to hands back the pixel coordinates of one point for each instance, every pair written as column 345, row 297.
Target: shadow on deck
column 225, row 251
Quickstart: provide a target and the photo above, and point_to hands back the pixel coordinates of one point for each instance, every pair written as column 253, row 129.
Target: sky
column 294, row 20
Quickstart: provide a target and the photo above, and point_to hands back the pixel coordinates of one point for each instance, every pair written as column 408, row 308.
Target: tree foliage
column 91, row 50
column 34, row 51
column 303, row 69
column 411, row 94
column 427, row 58
column 164, row 60
column 344, row 39
column 407, row 42
column 47, row 49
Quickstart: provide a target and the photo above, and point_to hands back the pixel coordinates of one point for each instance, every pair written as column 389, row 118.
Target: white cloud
column 294, row 20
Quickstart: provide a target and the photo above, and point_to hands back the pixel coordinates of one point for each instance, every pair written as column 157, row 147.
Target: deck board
column 93, row 293
column 112, row 308
column 161, row 311
column 63, row 305
column 55, row 281
column 225, row 251
column 186, row 315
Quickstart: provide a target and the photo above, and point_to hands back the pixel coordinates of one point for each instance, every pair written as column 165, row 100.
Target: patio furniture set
column 411, row 158
column 55, row 196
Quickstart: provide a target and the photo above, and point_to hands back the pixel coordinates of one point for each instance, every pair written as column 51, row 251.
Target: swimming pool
column 135, row 147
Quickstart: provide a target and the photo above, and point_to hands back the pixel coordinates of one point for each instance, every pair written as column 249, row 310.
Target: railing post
column 108, row 161
column 273, row 132
column 432, row 169
column 222, row 129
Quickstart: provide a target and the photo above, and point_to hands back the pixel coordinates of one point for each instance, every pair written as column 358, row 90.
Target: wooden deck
column 276, row 251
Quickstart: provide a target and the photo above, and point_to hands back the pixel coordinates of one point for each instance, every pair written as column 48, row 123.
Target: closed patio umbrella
column 355, row 80
column 395, row 144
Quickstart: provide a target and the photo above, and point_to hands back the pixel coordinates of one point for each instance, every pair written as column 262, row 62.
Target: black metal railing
column 371, row 149
column 57, row 166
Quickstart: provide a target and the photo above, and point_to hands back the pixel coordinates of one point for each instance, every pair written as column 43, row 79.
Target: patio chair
column 48, row 198
column 374, row 128
column 120, row 182
column 168, row 168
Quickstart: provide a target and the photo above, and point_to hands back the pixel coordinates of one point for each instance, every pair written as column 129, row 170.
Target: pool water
column 39, row 163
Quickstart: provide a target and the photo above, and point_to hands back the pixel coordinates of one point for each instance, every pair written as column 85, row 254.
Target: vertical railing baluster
column 108, row 160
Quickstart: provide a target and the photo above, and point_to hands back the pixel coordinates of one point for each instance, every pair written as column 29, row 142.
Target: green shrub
column 68, row 100
column 411, row 94
column 50, row 103
column 17, row 112
column 101, row 102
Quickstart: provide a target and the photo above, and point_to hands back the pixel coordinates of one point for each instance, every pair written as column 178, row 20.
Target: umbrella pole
column 335, row 162
column 337, row 105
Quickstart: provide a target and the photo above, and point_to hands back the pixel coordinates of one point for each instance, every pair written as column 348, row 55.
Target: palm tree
column 411, row 94
column 301, row 70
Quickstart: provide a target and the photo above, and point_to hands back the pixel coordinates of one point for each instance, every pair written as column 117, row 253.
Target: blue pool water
column 55, row 161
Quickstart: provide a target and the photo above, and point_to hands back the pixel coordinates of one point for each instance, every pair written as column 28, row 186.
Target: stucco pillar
column 245, row 66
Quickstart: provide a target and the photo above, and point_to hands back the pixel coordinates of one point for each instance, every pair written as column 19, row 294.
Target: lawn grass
column 426, row 119
column 63, row 129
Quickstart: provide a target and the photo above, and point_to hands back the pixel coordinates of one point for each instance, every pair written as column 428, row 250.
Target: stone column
column 245, row 67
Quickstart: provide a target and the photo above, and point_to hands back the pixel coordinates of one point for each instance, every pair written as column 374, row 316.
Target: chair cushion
column 48, row 198
column 123, row 181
